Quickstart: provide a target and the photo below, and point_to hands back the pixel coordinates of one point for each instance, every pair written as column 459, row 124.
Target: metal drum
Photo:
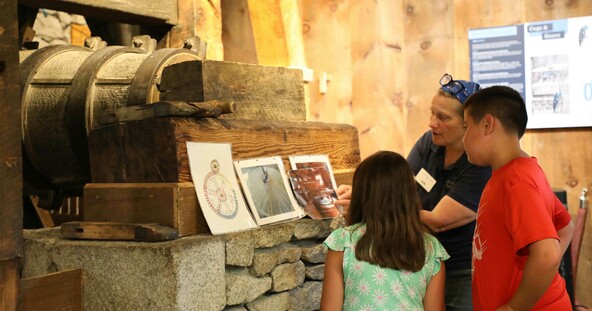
column 144, row 88
column 64, row 90
column 46, row 81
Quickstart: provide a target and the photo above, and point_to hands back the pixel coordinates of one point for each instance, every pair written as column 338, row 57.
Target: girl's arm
column 434, row 297
column 332, row 297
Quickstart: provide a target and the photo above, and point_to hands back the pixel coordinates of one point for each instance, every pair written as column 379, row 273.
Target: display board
column 548, row 62
column 267, row 190
column 217, row 189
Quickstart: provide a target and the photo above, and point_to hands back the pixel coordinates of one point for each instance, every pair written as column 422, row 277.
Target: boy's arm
column 565, row 236
column 540, row 269
column 562, row 218
column 332, row 296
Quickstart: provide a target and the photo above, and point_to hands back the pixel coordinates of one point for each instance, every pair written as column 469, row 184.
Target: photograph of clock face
column 267, row 191
column 217, row 189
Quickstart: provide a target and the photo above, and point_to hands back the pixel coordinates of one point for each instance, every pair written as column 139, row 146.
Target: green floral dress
column 370, row 287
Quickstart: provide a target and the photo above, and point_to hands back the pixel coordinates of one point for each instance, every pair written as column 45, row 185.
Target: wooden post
column 198, row 18
column 237, row 32
column 277, row 31
column 10, row 158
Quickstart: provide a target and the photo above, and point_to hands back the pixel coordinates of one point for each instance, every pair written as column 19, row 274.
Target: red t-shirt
column 517, row 208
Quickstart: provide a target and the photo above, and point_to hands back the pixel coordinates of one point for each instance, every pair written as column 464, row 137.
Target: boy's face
column 473, row 141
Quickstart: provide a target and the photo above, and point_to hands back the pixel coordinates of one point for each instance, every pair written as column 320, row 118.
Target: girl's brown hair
column 384, row 198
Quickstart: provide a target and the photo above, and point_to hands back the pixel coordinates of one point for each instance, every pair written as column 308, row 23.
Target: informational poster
column 548, row 62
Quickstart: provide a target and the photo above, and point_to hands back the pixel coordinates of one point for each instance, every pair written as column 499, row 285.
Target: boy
column 522, row 229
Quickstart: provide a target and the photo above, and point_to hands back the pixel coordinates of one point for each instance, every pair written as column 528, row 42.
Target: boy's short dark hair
column 502, row 102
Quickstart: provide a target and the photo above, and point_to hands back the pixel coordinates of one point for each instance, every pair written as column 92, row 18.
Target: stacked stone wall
column 277, row 268
column 272, row 268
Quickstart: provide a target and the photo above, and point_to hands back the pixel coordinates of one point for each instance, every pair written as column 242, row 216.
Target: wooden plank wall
column 325, row 27
column 384, row 58
column 399, row 50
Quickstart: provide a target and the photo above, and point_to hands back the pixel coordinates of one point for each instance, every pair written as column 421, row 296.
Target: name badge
column 426, row 180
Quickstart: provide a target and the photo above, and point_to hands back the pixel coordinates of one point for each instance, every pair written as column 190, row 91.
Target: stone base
column 269, row 268
column 175, row 275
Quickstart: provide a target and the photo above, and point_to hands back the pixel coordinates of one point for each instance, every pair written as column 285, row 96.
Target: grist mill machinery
column 64, row 89
column 113, row 122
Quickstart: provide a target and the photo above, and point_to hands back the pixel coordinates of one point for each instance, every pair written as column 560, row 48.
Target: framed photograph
column 217, row 189
column 312, row 194
column 316, row 161
column 266, row 188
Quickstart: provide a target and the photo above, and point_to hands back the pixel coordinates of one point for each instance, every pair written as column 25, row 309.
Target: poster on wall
column 548, row 62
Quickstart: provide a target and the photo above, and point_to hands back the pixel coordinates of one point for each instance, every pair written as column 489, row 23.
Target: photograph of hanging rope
column 265, row 185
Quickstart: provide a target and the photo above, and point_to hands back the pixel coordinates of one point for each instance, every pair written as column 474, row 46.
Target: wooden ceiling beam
column 130, row 11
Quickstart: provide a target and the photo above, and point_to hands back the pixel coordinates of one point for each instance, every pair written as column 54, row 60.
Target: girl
column 384, row 259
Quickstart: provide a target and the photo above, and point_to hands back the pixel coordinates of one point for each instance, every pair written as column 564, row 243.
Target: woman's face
column 446, row 122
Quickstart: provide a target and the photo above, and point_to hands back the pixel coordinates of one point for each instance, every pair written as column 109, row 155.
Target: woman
column 449, row 186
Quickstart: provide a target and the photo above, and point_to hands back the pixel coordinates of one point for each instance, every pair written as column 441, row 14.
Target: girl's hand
column 343, row 197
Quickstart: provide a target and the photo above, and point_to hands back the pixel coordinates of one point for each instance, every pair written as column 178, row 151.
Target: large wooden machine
column 99, row 119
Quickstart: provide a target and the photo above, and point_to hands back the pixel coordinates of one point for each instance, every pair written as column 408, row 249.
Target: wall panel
column 399, row 50
column 326, row 35
column 378, row 74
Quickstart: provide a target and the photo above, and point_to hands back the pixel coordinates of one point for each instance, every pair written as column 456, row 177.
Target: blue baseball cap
column 460, row 89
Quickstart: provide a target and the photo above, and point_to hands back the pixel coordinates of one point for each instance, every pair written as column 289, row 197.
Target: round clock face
column 220, row 195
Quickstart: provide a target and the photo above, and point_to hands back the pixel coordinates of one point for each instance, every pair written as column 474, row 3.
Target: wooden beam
column 208, row 109
column 43, row 214
column 260, row 92
column 55, row 291
column 126, row 152
column 269, row 32
column 170, row 204
column 11, row 204
column 265, row 32
column 129, row 11
column 237, row 32
column 119, row 231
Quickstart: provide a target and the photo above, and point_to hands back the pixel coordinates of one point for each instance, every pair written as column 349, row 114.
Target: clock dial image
column 219, row 194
